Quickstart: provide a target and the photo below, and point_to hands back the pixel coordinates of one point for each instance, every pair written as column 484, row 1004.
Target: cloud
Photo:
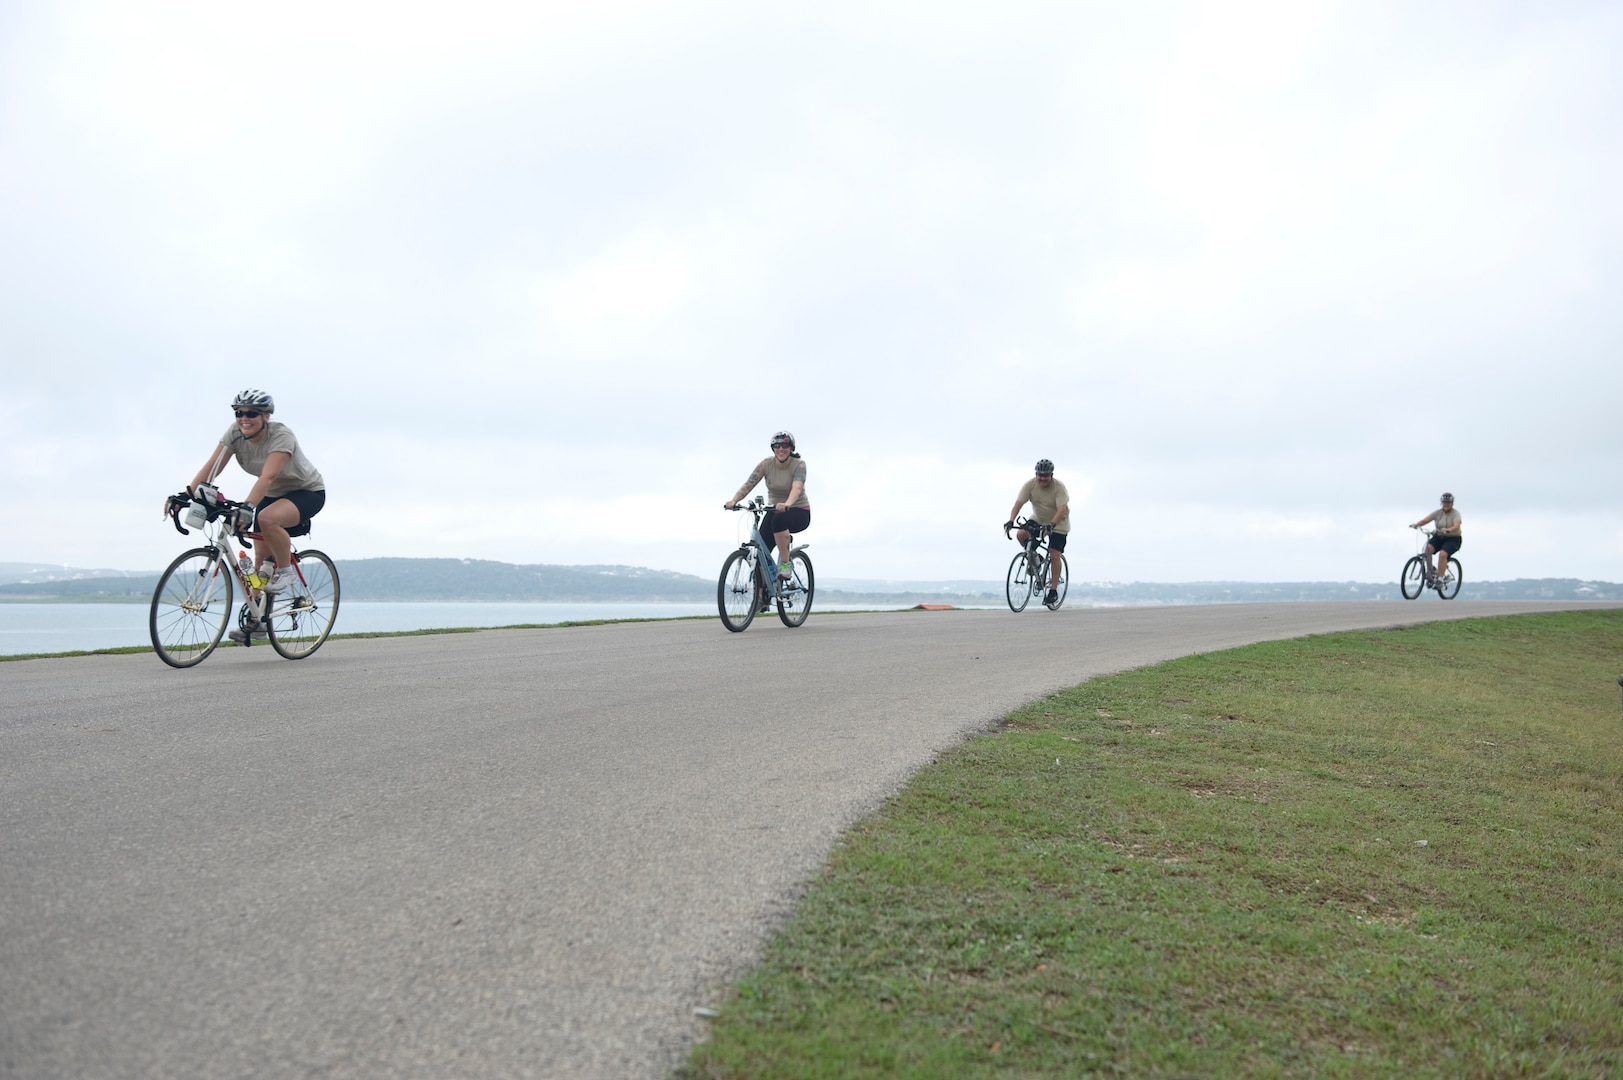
column 1261, row 279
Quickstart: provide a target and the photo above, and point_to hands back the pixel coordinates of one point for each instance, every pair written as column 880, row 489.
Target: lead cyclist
column 1050, row 505
column 288, row 490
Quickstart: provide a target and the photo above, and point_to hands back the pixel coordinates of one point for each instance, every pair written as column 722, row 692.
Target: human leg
column 274, row 519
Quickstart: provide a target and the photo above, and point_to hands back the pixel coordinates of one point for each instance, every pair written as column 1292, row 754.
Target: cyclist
column 785, row 476
column 1445, row 541
column 1050, row 504
column 288, row 493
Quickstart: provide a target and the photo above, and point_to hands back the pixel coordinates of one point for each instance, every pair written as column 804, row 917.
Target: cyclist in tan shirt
column 785, row 476
column 1445, row 541
column 1051, row 505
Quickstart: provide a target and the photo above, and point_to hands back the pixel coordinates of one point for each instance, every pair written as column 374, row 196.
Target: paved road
column 511, row 853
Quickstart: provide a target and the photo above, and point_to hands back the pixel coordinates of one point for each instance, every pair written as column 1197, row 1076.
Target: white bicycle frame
column 217, row 537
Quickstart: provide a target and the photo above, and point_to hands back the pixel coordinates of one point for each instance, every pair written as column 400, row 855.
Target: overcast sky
column 536, row 282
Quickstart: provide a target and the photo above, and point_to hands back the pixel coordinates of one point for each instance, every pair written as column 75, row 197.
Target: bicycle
column 192, row 604
column 1029, row 570
column 750, row 583
column 1418, row 575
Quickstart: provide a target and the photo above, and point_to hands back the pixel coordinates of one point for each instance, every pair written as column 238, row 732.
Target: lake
column 47, row 628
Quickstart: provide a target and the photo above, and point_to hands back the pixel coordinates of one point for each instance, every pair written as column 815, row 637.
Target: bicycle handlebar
column 218, row 509
column 1026, row 525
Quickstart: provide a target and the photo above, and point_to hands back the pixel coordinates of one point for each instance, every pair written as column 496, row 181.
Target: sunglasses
column 252, row 414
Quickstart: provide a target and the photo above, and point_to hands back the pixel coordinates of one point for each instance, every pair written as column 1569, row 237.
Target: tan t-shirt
column 297, row 475
column 1447, row 521
column 779, row 478
column 1045, row 504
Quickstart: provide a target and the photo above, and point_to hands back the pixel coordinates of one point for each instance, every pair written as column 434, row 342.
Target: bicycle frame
column 220, row 528
column 766, row 551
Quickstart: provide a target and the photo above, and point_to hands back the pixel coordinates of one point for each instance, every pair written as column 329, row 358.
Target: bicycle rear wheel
column 1413, row 579
column 190, row 608
column 301, row 618
column 736, row 590
column 1450, row 587
column 795, row 601
column 1064, row 583
column 1018, row 586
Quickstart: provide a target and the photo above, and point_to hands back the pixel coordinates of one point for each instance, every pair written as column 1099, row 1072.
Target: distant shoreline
column 482, row 581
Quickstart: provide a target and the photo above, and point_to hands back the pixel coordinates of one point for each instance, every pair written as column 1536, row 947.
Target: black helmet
column 1045, row 467
column 1448, row 496
column 254, row 399
column 783, row 438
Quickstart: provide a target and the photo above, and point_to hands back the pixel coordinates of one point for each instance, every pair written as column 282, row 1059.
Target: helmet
column 783, row 438
column 254, row 399
column 1447, row 496
column 1045, row 467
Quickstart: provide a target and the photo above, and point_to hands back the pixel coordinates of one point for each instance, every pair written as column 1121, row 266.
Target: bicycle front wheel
column 1018, row 587
column 736, row 591
column 301, row 618
column 1450, row 588
column 1413, row 578
column 795, row 595
column 190, row 608
column 1059, row 589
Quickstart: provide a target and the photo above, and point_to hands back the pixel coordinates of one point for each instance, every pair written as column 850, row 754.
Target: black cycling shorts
column 308, row 502
column 796, row 519
column 1450, row 544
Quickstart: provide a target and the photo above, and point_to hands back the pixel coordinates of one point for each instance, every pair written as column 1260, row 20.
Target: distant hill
column 487, row 581
column 15, row 572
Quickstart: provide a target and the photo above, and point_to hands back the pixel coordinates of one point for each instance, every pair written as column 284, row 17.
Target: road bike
column 750, row 581
column 1418, row 575
column 193, row 602
column 1029, row 570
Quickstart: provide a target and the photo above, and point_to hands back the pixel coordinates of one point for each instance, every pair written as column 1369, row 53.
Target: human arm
column 754, row 478
column 1429, row 517
column 795, row 489
column 211, row 468
column 275, row 462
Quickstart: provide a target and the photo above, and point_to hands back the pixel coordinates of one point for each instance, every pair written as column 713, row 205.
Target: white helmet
column 254, row 399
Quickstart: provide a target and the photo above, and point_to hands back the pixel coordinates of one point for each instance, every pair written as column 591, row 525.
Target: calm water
column 41, row 628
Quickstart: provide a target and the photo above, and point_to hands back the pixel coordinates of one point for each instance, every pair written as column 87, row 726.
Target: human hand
column 781, row 506
column 729, row 504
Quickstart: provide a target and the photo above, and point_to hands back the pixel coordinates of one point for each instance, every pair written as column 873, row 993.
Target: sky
column 537, row 281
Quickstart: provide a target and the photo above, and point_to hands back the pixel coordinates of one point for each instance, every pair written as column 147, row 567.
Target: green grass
column 1386, row 853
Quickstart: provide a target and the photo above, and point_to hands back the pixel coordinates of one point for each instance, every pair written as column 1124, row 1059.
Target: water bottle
column 246, row 568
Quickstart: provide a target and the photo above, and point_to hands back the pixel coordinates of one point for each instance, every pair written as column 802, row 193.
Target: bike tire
column 300, row 619
column 795, row 604
column 1412, row 582
column 1018, row 586
column 1450, row 587
column 737, row 593
column 1062, row 587
column 191, row 608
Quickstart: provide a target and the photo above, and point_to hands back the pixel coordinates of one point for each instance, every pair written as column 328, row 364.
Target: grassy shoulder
column 1364, row 854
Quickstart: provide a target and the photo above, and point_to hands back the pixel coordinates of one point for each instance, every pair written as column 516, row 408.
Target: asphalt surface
column 507, row 854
